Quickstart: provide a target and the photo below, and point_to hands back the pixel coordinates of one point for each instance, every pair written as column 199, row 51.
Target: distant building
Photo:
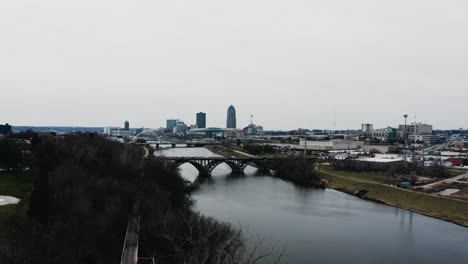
column 127, row 125
column 231, row 117
column 426, row 139
column 388, row 134
column 116, row 132
column 233, row 133
column 461, row 144
column 384, row 149
column 5, row 129
column 171, row 123
column 253, row 129
column 334, row 144
column 417, row 129
column 367, row 128
column 420, row 129
column 250, row 130
column 180, row 128
column 201, row 120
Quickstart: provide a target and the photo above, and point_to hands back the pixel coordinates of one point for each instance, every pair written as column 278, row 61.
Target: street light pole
column 405, row 138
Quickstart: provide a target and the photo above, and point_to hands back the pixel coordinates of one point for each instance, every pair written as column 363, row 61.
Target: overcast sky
column 289, row 63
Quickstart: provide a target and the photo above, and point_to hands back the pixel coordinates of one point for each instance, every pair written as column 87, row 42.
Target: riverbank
column 439, row 207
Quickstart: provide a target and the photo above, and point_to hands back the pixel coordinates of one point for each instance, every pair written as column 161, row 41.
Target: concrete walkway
column 450, row 180
column 130, row 248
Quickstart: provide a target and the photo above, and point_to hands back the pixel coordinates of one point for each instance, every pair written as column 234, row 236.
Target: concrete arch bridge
column 206, row 165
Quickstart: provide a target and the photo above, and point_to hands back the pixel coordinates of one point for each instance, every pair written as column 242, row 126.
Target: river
column 323, row 226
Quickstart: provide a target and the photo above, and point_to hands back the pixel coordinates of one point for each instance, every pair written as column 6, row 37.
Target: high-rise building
column 231, row 117
column 127, row 125
column 171, row 123
column 201, row 120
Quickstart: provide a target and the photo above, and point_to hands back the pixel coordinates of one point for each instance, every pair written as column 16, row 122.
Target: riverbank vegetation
column 439, row 207
column 85, row 189
column 297, row 170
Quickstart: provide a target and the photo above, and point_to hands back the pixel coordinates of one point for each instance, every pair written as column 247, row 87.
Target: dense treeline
column 297, row 170
column 391, row 168
column 257, row 149
column 14, row 154
column 84, row 191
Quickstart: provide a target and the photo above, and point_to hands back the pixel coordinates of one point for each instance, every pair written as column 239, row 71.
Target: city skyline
column 147, row 62
column 117, row 123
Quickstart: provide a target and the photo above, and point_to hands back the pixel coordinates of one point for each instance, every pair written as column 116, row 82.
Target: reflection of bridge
column 206, row 165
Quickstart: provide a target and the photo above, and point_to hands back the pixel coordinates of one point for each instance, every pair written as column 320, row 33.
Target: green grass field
column 19, row 185
column 447, row 209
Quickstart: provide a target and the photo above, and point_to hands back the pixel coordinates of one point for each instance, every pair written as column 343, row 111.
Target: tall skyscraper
column 127, row 125
column 231, row 117
column 201, row 120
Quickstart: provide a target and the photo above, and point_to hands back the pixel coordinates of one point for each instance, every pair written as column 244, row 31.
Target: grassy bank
column 439, row 207
column 225, row 152
column 19, row 185
column 454, row 173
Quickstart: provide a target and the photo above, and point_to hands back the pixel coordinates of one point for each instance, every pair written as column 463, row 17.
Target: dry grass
column 439, row 207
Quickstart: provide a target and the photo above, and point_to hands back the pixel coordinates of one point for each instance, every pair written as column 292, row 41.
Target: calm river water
column 323, row 226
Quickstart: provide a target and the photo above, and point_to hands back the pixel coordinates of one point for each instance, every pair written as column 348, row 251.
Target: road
column 450, row 180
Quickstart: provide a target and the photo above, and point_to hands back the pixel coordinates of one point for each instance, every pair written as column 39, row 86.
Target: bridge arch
column 201, row 169
column 145, row 132
column 236, row 167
